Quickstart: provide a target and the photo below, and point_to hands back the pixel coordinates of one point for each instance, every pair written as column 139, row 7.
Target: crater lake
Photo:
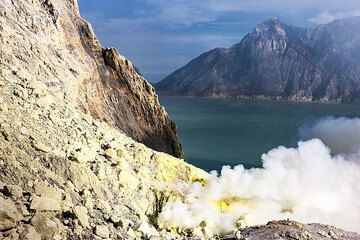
column 216, row 132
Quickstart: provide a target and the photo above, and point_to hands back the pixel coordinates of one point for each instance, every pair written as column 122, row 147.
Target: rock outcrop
column 50, row 40
column 65, row 175
column 289, row 230
column 278, row 61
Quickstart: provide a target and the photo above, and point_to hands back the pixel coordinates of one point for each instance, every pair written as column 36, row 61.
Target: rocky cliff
column 280, row 62
column 50, row 40
column 65, row 175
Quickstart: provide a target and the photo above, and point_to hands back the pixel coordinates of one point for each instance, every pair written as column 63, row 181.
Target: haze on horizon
column 160, row 36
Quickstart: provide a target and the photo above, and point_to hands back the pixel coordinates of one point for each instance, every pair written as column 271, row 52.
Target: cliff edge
column 50, row 40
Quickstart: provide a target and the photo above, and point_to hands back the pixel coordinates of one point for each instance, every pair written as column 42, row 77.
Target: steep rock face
column 53, row 43
column 278, row 61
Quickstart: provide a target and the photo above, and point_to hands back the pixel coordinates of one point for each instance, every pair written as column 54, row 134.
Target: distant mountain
column 278, row 61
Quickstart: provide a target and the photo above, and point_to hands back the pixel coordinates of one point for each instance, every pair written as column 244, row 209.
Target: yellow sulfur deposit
column 202, row 181
column 224, row 205
column 171, row 169
column 174, row 230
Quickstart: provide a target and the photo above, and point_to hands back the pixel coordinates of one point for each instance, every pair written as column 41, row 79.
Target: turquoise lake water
column 217, row 132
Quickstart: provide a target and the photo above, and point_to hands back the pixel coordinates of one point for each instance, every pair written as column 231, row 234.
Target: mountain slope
column 50, row 40
column 66, row 175
column 278, row 61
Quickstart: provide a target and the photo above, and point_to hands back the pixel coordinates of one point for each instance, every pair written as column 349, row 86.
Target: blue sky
column 160, row 36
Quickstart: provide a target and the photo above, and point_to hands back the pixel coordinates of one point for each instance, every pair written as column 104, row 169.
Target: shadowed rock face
column 278, row 61
column 50, row 40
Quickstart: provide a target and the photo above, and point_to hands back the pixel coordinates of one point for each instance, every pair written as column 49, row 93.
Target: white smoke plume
column 306, row 184
column 341, row 135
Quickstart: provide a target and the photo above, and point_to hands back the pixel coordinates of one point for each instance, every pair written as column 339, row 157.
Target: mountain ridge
column 277, row 61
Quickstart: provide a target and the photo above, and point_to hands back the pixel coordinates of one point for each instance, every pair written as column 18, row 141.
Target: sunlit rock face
column 50, row 40
column 278, row 61
column 66, row 175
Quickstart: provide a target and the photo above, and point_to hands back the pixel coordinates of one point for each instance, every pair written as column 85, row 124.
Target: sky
column 160, row 36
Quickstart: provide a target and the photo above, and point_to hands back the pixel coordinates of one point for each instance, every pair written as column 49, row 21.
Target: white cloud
column 188, row 12
column 183, row 13
column 326, row 17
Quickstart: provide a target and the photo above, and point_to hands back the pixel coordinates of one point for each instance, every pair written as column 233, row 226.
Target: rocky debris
column 289, row 230
column 65, row 175
column 277, row 61
column 51, row 48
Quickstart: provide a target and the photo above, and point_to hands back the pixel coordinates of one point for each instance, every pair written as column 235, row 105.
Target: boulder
column 45, row 204
column 30, row 233
column 23, row 74
column 81, row 213
column 146, row 230
column 103, row 206
column 47, row 225
column 102, row 231
column 110, row 153
column 85, row 155
column 48, row 192
column 126, row 179
column 9, row 215
column 39, row 88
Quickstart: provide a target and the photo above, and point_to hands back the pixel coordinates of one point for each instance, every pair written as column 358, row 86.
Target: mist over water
column 315, row 180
